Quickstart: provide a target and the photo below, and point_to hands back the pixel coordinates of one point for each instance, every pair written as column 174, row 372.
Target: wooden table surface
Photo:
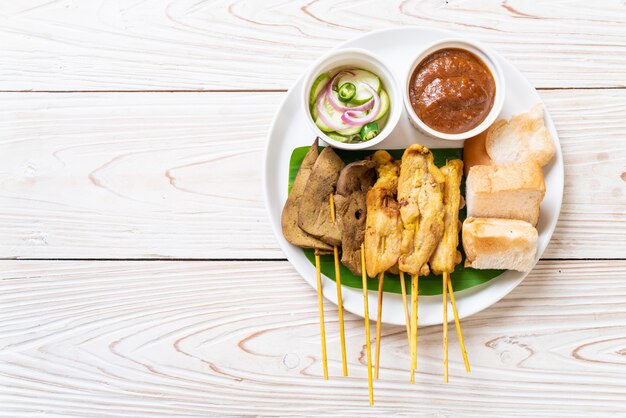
column 139, row 276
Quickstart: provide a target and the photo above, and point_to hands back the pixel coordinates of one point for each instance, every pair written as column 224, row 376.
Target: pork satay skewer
column 320, row 306
column 383, row 230
column 342, row 334
column 446, row 256
column 297, row 236
column 421, row 204
column 366, row 316
column 314, row 218
column 349, row 209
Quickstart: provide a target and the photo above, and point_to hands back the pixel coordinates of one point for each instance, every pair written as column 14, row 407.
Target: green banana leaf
column 462, row 277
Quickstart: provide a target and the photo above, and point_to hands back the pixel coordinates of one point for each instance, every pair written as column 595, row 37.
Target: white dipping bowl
column 490, row 62
column 353, row 58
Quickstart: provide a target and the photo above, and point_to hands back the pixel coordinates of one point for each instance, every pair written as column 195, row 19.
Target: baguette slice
column 523, row 138
column 512, row 191
column 492, row 243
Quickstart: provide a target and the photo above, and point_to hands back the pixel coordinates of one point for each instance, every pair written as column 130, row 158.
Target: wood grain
column 216, row 45
column 156, row 175
column 110, row 174
column 152, row 339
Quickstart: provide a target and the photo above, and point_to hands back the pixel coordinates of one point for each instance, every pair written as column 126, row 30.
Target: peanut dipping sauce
column 452, row 91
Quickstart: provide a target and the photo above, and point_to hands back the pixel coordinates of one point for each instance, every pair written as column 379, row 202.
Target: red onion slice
column 334, row 102
column 323, row 115
column 355, row 118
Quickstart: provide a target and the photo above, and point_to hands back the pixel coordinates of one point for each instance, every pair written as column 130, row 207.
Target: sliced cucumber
column 384, row 105
column 362, row 94
column 350, row 130
column 319, row 83
column 320, row 124
column 337, row 137
column 314, row 112
column 382, row 122
column 333, row 115
column 352, row 139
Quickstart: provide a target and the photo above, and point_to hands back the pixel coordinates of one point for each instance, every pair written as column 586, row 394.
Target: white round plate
column 398, row 47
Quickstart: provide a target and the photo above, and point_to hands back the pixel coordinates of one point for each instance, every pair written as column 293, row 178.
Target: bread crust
column 523, row 138
column 507, row 177
column 513, row 191
column 494, row 243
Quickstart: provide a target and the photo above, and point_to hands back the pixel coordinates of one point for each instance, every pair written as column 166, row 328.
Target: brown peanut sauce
column 452, row 91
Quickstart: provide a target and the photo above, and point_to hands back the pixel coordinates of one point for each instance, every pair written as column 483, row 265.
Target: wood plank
column 154, row 175
column 162, row 339
column 185, row 44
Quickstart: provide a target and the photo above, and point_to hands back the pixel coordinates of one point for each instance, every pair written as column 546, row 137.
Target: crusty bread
column 523, row 138
column 474, row 152
column 492, row 243
column 512, row 191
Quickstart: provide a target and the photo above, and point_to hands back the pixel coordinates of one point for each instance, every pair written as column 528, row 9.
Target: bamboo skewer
column 367, row 327
column 407, row 320
column 445, row 327
column 458, row 324
column 342, row 334
column 381, row 281
column 414, row 318
column 320, row 305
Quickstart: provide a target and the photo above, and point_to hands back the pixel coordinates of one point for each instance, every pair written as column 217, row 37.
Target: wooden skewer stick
column 407, row 320
column 367, row 327
column 414, row 316
column 381, row 281
column 458, row 325
column 320, row 305
column 342, row 334
column 444, row 281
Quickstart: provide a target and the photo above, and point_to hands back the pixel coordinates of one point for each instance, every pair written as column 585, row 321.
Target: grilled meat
column 446, row 256
column 383, row 231
column 314, row 210
column 289, row 218
column 421, row 209
column 354, row 181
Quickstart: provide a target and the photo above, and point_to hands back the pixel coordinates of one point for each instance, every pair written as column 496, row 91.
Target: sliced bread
column 523, row 138
column 512, row 191
column 492, row 243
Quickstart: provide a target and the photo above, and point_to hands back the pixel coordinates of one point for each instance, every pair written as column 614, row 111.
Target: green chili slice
column 369, row 131
column 346, row 92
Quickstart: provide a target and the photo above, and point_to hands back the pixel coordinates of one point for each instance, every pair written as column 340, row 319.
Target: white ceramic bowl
column 354, row 58
column 492, row 64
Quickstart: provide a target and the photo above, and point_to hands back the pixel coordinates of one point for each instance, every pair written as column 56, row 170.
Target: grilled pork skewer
column 446, row 256
column 383, row 230
column 306, row 219
column 297, row 236
column 383, row 227
column 316, row 217
column 349, row 201
column 421, row 206
column 355, row 180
